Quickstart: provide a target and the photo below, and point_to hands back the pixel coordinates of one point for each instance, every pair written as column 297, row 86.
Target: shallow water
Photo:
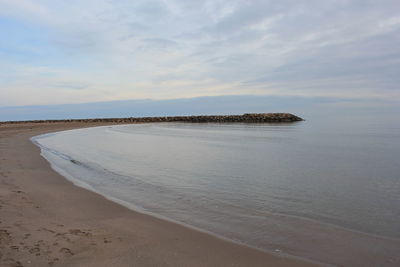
column 281, row 187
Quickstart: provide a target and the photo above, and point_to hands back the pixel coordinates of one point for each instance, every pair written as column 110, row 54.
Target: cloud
column 169, row 49
column 69, row 85
column 158, row 43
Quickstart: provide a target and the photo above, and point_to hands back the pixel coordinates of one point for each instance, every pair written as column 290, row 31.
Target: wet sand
column 47, row 221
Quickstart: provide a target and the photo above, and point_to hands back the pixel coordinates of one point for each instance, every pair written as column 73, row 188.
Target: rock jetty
column 245, row 118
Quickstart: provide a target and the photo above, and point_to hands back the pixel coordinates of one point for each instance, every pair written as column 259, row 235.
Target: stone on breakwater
column 247, row 118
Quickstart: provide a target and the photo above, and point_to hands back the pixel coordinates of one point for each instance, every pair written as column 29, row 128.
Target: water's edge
column 136, row 208
column 296, row 220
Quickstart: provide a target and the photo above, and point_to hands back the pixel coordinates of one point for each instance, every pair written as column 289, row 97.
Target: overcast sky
column 54, row 52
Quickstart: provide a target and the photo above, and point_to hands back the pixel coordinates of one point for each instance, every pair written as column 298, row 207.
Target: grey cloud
column 373, row 62
column 292, row 46
column 78, row 42
column 137, row 13
column 152, row 10
column 159, row 43
column 136, row 29
column 334, row 43
column 70, row 85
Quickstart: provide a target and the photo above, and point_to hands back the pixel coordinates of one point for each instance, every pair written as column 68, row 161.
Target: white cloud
column 168, row 49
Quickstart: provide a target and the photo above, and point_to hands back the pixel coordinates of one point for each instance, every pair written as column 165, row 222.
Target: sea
column 326, row 191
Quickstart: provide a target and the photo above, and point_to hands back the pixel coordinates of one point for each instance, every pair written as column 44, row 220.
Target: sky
column 350, row 111
column 71, row 52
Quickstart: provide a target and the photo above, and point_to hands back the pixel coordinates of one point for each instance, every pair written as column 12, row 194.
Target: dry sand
column 47, row 221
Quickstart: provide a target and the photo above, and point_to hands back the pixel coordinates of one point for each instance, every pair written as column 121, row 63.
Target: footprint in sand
column 34, row 250
column 5, row 236
column 47, row 230
column 16, row 264
column 66, row 251
column 63, row 236
column 53, row 261
column 79, row 232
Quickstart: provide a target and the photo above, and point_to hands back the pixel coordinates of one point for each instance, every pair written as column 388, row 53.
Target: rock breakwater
column 245, row 118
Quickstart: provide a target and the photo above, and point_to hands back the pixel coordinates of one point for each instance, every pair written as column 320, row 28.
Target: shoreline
column 46, row 220
column 135, row 208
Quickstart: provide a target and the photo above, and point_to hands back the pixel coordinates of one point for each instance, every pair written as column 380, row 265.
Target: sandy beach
column 47, row 221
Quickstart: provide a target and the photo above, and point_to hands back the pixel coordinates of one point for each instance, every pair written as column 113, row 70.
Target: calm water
column 281, row 187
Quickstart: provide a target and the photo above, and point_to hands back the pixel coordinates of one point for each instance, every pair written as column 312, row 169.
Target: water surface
column 289, row 188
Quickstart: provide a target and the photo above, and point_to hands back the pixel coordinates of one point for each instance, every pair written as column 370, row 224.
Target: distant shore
column 245, row 118
column 47, row 221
